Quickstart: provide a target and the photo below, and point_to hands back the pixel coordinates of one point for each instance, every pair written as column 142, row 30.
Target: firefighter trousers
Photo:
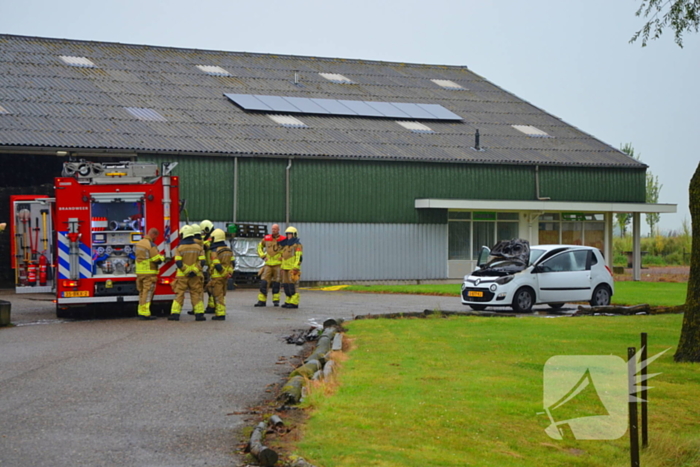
column 145, row 284
column 196, row 289
column 270, row 275
column 217, row 289
column 290, row 287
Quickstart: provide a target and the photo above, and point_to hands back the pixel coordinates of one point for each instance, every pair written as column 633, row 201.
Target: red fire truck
column 100, row 210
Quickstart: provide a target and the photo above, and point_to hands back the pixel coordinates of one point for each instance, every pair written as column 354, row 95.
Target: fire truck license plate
column 77, row 293
column 473, row 293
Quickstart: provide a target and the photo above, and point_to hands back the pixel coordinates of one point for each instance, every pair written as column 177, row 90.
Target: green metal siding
column 205, row 182
column 379, row 192
column 593, row 184
column 261, row 191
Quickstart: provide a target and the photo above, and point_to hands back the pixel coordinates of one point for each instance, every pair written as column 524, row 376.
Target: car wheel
column 478, row 307
column 523, row 300
column 601, row 296
column 556, row 306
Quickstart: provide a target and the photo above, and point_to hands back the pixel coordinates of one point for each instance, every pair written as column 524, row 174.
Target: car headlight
column 504, row 280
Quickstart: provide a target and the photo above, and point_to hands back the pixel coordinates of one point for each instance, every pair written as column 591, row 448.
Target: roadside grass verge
column 626, row 292
column 463, row 391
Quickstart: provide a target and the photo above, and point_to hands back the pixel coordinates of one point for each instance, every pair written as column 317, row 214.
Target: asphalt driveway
column 108, row 392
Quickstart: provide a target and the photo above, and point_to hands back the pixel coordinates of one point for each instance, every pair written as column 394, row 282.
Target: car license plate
column 77, row 293
column 474, row 293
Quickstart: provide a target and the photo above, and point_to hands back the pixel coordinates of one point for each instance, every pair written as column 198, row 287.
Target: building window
column 78, row 61
column 148, row 115
column 572, row 229
column 213, row 70
column 337, row 78
column 416, row 127
column 288, row 121
column 448, row 84
column 470, row 231
column 531, row 131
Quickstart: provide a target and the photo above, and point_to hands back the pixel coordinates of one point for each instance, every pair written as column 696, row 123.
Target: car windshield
column 535, row 255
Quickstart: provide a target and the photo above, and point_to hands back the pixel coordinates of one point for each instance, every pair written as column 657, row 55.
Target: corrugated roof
column 52, row 104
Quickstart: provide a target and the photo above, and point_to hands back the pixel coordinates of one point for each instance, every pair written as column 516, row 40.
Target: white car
column 517, row 275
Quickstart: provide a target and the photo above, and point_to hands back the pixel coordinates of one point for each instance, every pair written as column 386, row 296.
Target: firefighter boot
column 211, row 305
column 175, row 310
column 220, row 312
column 200, row 317
column 262, row 300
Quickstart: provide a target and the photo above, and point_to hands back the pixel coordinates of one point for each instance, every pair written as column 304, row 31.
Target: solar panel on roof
column 388, row 110
column 312, row 105
column 414, row 110
column 277, row 103
column 334, row 107
column 361, row 108
column 440, row 112
column 248, row 102
column 306, row 105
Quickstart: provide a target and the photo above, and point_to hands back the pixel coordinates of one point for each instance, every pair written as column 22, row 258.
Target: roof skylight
column 416, row 127
column 288, row 121
column 337, row 78
column 145, row 114
column 448, row 84
column 213, row 70
column 78, row 61
column 531, row 131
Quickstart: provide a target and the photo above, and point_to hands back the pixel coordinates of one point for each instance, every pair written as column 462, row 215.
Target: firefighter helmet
column 186, row 231
column 218, row 235
column 196, row 229
column 291, row 230
column 207, row 227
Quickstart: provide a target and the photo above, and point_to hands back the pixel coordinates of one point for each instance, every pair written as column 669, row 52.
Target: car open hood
column 506, row 257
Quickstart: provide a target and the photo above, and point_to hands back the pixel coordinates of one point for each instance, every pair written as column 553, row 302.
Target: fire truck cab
column 100, row 211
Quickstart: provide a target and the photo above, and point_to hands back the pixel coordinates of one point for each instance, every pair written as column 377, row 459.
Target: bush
column 620, row 260
column 653, row 260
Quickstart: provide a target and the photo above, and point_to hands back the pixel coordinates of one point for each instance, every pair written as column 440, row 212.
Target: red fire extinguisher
column 43, row 268
column 31, row 274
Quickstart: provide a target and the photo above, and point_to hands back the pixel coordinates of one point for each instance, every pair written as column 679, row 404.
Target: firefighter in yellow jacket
column 207, row 227
column 222, row 262
column 189, row 258
column 147, row 260
column 270, row 251
column 291, row 267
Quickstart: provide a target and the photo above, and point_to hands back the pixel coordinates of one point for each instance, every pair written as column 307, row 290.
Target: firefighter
column 270, row 252
column 222, row 262
column 147, row 260
column 189, row 258
column 207, row 228
column 291, row 267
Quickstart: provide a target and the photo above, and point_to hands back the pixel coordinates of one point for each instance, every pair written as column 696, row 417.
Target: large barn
column 390, row 171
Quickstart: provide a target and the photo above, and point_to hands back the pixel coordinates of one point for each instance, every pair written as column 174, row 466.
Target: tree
column 653, row 189
column 680, row 15
column 689, row 344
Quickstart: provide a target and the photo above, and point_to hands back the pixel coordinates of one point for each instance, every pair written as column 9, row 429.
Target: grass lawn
column 465, row 391
column 626, row 292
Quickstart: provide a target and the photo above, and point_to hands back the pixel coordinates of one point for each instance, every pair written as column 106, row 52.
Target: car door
column 565, row 277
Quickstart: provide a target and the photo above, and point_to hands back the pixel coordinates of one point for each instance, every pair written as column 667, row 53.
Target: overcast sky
column 571, row 58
